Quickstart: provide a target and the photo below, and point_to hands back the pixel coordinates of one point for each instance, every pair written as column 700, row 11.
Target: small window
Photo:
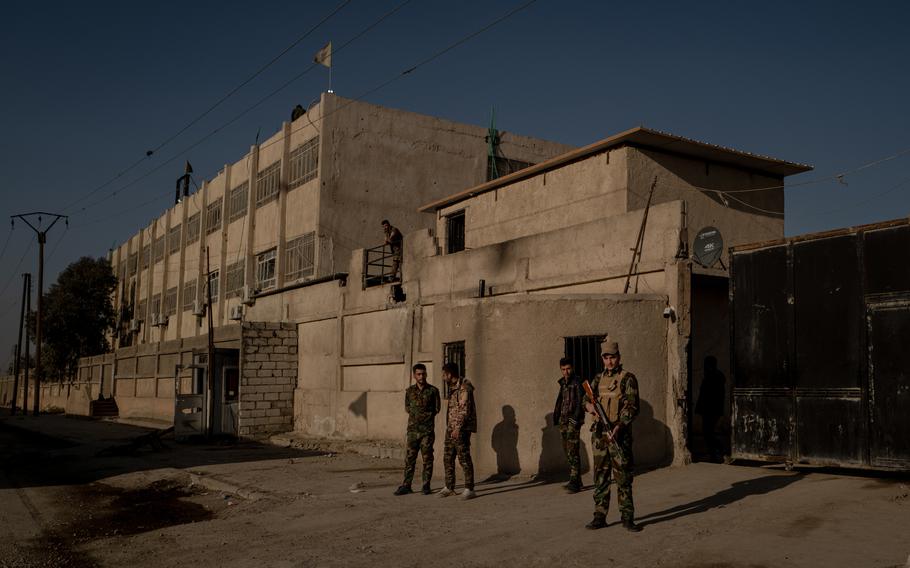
column 189, row 294
column 213, row 216
column 156, row 304
column 301, row 257
column 265, row 270
column 267, row 184
column 140, row 310
column 173, row 240
column 146, row 256
column 133, row 264
column 304, row 163
column 192, row 229
column 234, row 278
column 453, row 353
column 159, row 248
column 584, row 351
column 455, row 232
column 170, row 301
column 239, row 197
column 214, row 283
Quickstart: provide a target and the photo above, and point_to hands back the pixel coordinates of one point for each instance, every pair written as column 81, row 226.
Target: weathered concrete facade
column 551, row 243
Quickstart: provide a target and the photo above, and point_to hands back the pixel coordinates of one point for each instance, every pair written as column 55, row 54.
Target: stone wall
column 268, row 363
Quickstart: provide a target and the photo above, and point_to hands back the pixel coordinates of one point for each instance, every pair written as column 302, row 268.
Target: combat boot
column 630, row 525
column 598, row 522
column 573, row 486
column 403, row 490
column 425, row 489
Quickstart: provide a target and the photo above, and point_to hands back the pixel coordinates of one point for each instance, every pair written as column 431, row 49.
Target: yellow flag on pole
column 324, row 56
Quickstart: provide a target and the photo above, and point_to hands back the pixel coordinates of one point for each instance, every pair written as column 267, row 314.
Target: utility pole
column 211, row 344
column 26, row 287
column 42, row 238
column 28, row 335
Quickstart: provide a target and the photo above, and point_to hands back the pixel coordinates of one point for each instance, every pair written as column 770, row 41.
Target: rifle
column 601, row 413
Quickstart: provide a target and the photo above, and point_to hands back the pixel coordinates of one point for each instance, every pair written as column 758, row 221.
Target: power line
column 6, row 244
column 243, row 113
column 206, row 112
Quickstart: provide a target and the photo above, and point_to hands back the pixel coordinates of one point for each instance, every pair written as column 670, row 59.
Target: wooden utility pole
column 26, row 288
column 42, row 238
column 210, row 371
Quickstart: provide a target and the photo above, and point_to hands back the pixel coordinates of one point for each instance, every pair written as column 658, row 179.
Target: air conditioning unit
column 135, row 325
column 159, row 320
column 236, row 313
column 246, row 296
column 198, row 308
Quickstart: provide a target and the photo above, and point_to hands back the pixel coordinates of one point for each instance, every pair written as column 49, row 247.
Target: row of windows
column 303, row 164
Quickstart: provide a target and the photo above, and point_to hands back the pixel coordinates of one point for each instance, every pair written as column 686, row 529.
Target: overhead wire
column 240, row 115
column 205, row 113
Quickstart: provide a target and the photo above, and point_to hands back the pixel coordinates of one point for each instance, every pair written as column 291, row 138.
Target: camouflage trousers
column 571, row 445
column 613, row 464
column 419, row 442
column 460, row 446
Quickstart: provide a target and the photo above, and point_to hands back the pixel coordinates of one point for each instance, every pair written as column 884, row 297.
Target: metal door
column 190, row 400
column 226, row 390
column 889, row 388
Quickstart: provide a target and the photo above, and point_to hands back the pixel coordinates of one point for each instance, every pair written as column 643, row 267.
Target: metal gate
column 818, row 328
column 203, row 409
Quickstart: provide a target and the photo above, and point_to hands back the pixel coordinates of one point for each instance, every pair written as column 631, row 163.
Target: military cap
column 609, row 348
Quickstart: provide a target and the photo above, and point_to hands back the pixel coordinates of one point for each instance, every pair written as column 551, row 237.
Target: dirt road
column 251, row 504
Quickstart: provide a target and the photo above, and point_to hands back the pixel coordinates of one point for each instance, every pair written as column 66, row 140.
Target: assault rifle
column 601, row 413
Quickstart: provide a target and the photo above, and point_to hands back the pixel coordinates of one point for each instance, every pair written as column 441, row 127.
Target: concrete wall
column 513, row 346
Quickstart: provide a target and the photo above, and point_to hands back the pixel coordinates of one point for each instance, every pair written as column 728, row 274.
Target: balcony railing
column 380, row 266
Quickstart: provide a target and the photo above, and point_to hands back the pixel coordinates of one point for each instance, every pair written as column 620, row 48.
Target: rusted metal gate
column 820, row 357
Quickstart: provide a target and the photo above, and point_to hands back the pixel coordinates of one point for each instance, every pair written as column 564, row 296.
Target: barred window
column 213, row 216
column 192, row 229
column 234, row 278
column 156, row 304
column 146, row 256
column 265, row 270
column 267, row 183
column 301, row 257
column 133, row 263
column 239, row 197
column 304, row 162
column 159, row 248
column 170, row 301
column 214, row 283
column 140, row 311
column 173, row 240
column 189, row 294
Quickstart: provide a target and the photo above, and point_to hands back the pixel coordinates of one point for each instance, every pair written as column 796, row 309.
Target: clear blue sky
column 88, row 87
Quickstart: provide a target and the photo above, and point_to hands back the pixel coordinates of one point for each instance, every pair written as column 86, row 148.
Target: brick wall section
column 268, row 376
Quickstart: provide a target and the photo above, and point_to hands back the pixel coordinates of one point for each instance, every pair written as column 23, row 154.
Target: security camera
column 669, row 312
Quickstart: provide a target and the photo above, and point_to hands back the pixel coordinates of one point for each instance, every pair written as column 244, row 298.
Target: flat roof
column 643, row 138
column 820, row 235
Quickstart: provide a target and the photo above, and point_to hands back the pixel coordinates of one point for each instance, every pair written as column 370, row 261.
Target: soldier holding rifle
column 613, row 400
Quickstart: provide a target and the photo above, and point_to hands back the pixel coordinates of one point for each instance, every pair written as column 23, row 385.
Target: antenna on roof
column 492, row 140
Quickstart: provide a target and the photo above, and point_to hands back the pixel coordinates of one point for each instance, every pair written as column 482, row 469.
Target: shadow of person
column 505, row 443
column 552, row 465
column 653, row 444
column 710, row 407
column 736, row 491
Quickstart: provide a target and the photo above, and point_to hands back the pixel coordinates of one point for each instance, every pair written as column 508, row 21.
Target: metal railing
column 380, row 266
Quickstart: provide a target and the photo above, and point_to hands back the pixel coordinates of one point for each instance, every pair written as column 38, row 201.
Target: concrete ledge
column 373, row 448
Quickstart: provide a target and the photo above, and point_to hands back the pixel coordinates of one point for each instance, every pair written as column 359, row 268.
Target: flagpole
column 330, row 78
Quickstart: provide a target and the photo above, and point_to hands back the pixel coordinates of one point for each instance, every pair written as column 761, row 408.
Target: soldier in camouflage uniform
column 421, row 402
column 461, row 421
column 617, row 390
column 569, row 416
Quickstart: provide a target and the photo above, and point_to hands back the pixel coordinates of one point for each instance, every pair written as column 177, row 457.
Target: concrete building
column 504, row 277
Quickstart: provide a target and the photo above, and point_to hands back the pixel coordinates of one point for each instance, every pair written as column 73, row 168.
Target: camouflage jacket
column 627, row 397
column 461, row 413
column 422, row 406
column 570, row 403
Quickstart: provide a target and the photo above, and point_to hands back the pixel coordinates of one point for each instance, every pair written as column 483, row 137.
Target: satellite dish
column 708, row 246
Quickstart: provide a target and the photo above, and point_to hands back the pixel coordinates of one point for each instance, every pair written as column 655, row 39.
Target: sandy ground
column 236, row 505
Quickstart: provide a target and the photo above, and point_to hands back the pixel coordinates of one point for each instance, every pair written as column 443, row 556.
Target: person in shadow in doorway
column 710, row 406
